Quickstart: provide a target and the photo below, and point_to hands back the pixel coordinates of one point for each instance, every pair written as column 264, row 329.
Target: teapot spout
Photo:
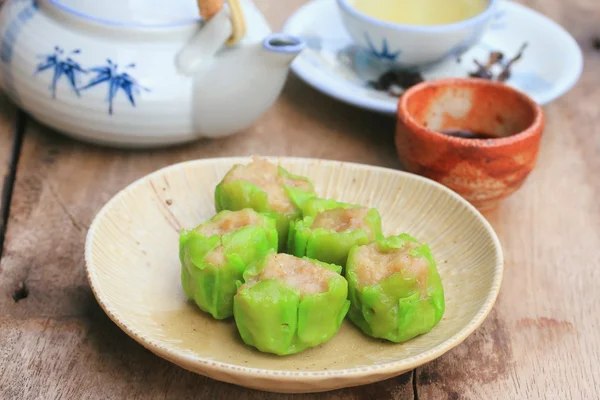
column 282, row 48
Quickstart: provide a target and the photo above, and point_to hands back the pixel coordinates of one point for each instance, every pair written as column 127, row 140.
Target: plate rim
column 390, row 108
column 213, row 366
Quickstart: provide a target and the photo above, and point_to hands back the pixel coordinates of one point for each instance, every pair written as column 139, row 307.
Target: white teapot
column 140, row 72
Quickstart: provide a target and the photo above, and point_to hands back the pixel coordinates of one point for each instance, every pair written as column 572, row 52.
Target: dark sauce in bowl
column 467, row 134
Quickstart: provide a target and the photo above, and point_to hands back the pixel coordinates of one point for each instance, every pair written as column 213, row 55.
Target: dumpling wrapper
column 394, row 288
column 290, row 304
column 330, row 229
column 215, row 255
column 268, row 189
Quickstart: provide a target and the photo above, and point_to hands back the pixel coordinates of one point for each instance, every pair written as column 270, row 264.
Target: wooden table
column 542, row 340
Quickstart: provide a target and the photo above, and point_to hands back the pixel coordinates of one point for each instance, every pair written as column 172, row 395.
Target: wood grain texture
column 538, row 343
column 91, row 358
column 541, row 341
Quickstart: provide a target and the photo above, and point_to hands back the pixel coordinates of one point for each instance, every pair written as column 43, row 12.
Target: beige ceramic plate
column 133, row 269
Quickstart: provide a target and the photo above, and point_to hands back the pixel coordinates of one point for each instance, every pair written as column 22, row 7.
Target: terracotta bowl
column 482, row 170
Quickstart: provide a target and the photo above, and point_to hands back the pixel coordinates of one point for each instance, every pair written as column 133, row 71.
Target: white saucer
column 550, row 66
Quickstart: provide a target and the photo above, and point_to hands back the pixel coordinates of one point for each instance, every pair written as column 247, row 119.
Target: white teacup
column 414, row 45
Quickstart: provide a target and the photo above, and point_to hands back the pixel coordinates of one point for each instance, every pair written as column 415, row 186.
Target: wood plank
column 57, row 342
column 541, row 340
column 91, row 358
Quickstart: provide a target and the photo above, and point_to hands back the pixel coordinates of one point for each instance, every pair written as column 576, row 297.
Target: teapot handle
column 238, row 21
column 209, row 39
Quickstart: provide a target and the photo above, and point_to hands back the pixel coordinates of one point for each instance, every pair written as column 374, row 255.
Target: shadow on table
column 320, row 107
column 366, row 130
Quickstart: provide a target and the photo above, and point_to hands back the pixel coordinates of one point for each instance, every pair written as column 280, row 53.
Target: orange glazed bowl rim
column 533, row 129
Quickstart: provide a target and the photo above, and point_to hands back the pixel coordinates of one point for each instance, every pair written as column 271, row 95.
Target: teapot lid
column 133, row 13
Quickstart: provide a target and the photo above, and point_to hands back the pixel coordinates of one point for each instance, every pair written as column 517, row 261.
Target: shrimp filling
column 375, row 265
column 265, row 175
column 343, row 220
column 300, row 274
column 235, row 220
column 216, row 257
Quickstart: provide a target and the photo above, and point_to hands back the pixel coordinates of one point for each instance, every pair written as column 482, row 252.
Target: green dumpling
column 394, row 288
column 289, row 304
column 330, row 229
column 266, row 188
column 215, row 255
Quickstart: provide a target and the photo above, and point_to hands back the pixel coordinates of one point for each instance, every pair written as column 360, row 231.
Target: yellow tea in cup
column 421, row 12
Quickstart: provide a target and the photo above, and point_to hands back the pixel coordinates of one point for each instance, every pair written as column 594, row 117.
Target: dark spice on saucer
column 396, row 81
